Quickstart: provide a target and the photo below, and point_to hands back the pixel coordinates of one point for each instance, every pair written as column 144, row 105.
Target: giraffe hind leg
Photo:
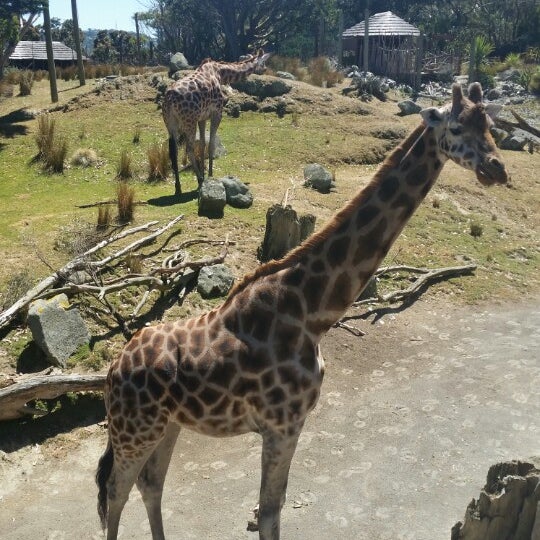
column 173, row 156
column 152, row 477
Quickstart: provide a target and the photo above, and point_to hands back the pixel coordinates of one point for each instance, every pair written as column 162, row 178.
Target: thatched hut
column 33, row 55
column 394, row 47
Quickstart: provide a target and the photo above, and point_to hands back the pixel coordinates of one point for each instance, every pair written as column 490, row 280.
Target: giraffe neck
column 229, row 73
column 325, row 275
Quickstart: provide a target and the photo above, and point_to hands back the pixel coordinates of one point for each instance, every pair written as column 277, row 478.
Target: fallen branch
column 14, row 398
column 426, row 277
column 81, row 262
column 524, row 125
column 107, row 202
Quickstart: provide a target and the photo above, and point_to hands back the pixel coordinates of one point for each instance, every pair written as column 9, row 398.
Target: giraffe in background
column 192, row 100
column 253, row 364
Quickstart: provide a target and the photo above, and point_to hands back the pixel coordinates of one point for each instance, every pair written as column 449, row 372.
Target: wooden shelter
column 33, row 55
column 394, row 47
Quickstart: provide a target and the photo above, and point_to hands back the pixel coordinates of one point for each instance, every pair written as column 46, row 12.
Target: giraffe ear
column 493, row 109
column 432, row 116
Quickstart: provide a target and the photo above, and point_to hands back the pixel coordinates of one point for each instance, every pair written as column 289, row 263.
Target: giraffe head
column 462, row 130
column 259, row 61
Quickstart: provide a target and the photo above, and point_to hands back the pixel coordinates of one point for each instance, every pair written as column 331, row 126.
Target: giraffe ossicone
column 253, row 364
column 196, row 98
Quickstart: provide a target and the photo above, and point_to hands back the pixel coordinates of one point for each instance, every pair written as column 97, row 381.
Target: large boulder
column 212, row 198
column 317, row 177
column 408, row 106
column 515, row 141
column 263, row 87
column 214, row 281
column 237, row 193
column 57, row 329
column 178, row 62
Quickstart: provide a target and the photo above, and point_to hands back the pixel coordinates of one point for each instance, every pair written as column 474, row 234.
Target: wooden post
column 366, row 38
column 50, row 53
column 419, row 60
column 136, row 16
column 77, row 39
column 340, row 39
column 472, row 61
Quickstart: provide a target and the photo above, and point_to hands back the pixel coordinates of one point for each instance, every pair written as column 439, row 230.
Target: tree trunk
column 50, row 54
column 77, row 39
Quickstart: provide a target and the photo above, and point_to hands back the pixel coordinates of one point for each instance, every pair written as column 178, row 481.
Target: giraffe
column 194, row 99
column 254, row 364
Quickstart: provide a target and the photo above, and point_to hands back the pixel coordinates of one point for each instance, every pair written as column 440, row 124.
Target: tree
column 16, row 22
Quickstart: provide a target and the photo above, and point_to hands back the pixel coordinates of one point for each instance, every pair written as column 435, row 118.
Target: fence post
column 419, row 61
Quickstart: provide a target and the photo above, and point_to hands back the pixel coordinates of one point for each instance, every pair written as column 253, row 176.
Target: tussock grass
column 158, row 161
column 124, row 171
column 84, row 157
column 26, row 82
column 125, row 195
column 103, row 217
column 52, row 148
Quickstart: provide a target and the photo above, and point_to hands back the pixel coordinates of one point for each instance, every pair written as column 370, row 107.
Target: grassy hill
column 269, row 153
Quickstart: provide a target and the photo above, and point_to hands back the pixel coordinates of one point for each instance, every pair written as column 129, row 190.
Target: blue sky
column 102, row 14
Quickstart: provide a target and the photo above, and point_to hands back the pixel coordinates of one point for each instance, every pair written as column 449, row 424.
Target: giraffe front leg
column 152, row 477
column 277, row 453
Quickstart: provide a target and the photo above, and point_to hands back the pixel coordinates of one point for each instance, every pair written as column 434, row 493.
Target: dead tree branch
column 14, row 398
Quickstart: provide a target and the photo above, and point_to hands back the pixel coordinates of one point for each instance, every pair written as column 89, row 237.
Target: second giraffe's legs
column 215, row 119
column 190, row 150
column 277, row 453
column 173, row 156
column 152, row 477
column 202, row 145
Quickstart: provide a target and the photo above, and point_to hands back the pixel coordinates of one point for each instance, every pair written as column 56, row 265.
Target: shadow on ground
column 10, row 124
column 66, row 413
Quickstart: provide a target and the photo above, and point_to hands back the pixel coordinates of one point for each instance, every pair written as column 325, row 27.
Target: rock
column 408, row 106
column 219, row 149
column 178, row 62
column 214, row 281
column 263, row 87
column 494, row 93
column 511, row 74
column 285, row 75
column 370, row 290
column 212, row 199
column 498, row 134
column 516, row 141
column 58, row 330
column 317, row 177
column 237, row 193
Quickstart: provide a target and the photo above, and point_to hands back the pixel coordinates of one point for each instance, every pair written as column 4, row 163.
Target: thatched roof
column 383, row 24
column 36, row 50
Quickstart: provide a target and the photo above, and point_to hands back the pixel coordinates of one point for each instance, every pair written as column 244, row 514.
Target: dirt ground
column 410, row 419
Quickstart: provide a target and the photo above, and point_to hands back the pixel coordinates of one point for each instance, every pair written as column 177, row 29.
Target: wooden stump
column 284, row 231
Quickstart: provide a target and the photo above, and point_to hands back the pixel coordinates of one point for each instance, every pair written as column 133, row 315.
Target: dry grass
column 124, row 170
column 84, row 157
column 26, row 82
column 125, row 195
column 158, row 161
column 52, row 148
column 103, row 217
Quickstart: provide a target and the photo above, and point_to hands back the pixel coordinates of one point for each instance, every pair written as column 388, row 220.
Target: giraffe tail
column 103, row 473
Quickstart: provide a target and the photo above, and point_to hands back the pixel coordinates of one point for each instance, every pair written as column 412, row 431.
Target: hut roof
column 36, row 50
column 383, row 24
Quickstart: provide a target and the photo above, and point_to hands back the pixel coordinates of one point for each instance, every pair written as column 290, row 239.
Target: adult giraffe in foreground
column 253, row 364
column 197, row 97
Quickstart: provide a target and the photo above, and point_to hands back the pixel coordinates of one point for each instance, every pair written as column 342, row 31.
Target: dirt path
column 410, row 419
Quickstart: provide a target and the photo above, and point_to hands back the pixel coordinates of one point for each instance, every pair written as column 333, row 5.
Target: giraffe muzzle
column 492, row 171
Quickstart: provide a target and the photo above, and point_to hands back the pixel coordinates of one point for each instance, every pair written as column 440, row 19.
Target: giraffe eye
column 456, row 131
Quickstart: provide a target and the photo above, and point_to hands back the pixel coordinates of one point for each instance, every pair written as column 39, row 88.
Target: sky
column 102, row 14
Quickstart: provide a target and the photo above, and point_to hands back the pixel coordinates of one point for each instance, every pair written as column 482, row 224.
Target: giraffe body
column 254, row 364
column 196, row 98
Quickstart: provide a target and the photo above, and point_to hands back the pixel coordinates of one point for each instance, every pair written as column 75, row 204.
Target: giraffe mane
column 296, row 255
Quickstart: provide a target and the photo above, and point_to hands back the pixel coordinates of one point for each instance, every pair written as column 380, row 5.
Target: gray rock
column 219, row 149
column 58, row 330
column 494, row 93
column 498, row 134
column 178, row 62
column 214, row 281
column 285, row 75
column 511, row 74
column 409, row 107
column 317, row 177
column 212, row 199
column 263, row 87
column 515, row 141
column 237, row 193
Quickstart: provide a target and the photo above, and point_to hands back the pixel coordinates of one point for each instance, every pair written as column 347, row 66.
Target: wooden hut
column 394, row 47
column 33, row 55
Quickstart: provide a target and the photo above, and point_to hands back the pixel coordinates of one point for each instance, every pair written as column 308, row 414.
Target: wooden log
column 13, row 398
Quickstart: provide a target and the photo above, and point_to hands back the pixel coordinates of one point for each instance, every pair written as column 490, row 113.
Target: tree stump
column 284, row 231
